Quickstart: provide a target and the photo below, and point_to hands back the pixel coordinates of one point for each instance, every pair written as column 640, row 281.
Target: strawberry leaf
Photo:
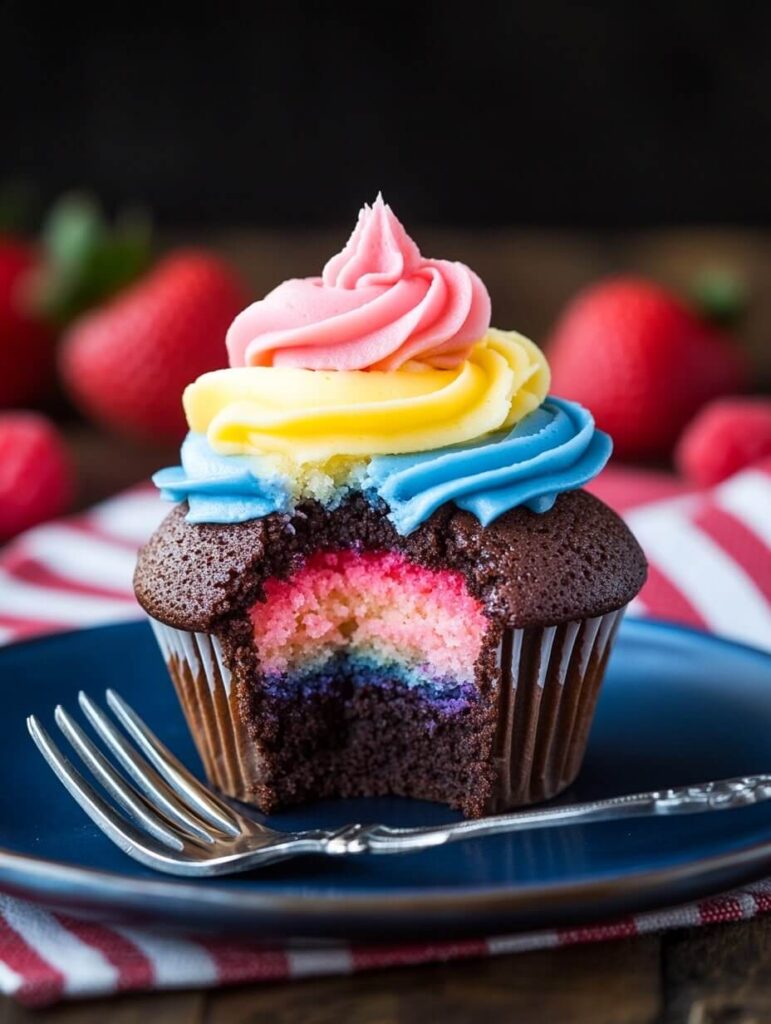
column 720, row 296
column 87, row 260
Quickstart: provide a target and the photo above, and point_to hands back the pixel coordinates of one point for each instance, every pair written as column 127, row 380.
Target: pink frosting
column 377, row 304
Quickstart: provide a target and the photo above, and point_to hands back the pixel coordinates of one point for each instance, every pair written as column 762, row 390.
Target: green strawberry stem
column 720, row 296
column 87, row 260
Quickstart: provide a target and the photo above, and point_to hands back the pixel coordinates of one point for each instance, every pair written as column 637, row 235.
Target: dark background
column 614, row 114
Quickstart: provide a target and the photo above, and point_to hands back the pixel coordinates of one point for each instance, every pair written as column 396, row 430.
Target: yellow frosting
column 311, row 416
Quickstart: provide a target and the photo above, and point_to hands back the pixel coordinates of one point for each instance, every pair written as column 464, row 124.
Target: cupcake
column 381, row 575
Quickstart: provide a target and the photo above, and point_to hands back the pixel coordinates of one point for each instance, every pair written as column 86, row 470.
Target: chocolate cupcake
column 381, row 575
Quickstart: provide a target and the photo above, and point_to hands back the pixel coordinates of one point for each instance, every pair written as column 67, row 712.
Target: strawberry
column 26, row 342
column 36, row 481
column 726, row 436
column 127, row 363
column 81, row 260
column 642, row 361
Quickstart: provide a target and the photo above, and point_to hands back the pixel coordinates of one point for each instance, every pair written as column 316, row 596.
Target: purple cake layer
column 343, row 676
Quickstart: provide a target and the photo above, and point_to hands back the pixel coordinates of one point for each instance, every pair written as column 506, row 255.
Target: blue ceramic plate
column 677, row 707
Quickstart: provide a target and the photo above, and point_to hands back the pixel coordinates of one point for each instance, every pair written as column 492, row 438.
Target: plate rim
column 53, row 882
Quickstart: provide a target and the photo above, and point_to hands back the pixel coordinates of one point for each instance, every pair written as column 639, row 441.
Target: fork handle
column 722, row 795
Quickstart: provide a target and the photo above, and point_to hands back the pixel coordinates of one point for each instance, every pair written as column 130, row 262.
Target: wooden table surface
column 714, row 975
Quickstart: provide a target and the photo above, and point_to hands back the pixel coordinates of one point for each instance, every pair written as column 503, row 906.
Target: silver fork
column 162, row 816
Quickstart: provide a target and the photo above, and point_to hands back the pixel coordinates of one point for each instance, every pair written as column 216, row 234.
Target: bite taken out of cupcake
column 381, row 575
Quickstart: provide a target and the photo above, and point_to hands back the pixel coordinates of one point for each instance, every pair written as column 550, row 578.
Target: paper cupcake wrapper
column 203, row 683
column 548, row 682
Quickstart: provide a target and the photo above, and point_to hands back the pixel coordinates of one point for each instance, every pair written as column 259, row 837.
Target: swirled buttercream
column 222, row 489
column 377, row 305
column 553, row 449
column 236, row 488
column 556, row 448
column 382, row 376
column 313, row 416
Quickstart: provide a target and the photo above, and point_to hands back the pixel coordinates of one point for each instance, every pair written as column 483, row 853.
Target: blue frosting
column 223, row 488
column 556, row 448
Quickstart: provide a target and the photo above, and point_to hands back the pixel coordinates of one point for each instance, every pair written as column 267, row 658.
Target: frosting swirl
column 223, row 489
column 314, row 416
column 553, row 449
column 556, row 448
column 383, row 376
column 377, row 305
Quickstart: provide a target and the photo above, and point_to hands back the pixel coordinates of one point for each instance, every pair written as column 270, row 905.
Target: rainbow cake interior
column 368, row 681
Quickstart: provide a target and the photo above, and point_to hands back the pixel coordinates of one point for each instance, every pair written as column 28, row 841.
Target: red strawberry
column 26, row 343
column 127, row 363
column 642, row 362
column 36, row 480
column 726, row 436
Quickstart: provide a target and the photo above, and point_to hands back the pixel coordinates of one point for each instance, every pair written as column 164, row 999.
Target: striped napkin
column 710, row 567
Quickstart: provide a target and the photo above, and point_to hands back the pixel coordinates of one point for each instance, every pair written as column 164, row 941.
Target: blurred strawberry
column 26, row 342
column 642, row 361
column 36, row 481
column 725, row 437
column 127, row 363
column 81, row 260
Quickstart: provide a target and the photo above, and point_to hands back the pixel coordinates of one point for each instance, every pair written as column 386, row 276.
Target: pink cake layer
column 376, row 605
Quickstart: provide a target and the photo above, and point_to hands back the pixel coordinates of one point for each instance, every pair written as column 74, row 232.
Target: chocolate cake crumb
column 576, row 561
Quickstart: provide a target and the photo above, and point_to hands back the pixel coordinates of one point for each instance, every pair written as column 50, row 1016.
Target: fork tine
column 114, row 826
column 123, row 793
column 156, row 791
column 174, row 772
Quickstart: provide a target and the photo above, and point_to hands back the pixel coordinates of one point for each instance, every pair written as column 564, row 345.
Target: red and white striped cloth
column 710, row 558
